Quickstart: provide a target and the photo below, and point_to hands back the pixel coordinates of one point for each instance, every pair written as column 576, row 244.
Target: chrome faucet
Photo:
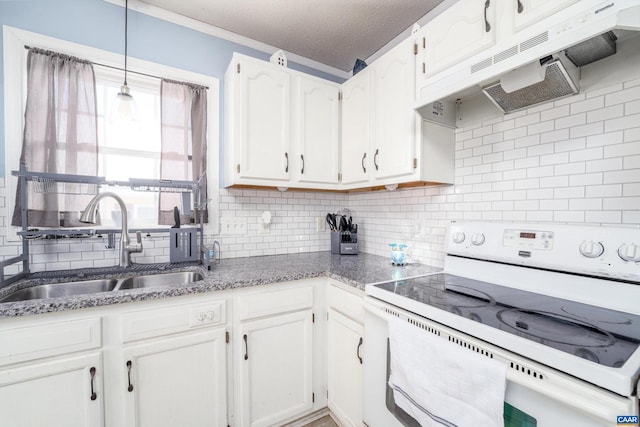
column 126, row 247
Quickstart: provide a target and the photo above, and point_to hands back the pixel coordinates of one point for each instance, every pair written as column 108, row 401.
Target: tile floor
column 323, row 422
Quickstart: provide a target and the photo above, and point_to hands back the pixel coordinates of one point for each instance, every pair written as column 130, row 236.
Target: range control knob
column 458, row 237
column 477, row 239
column 591, row 249
column 630, row 252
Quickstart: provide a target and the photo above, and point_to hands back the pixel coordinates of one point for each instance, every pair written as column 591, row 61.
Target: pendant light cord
column 126, row 30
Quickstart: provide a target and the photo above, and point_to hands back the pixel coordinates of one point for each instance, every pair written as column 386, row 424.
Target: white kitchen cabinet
column 172, row 369
column 463, row 30
column 61, row 392
column 178, row 380
column 316, row 120
column 356, row 159
column 529, row 12
column 345, row 335
column 395, row 135
column 257, row 122
column 273, row 355
column 51, row 373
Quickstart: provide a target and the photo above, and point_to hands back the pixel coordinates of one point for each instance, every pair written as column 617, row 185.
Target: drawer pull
column 375, row 158
column 358, row 350
column 92, row 372
column 130, row 388
column 364, row 156
column 487, row 27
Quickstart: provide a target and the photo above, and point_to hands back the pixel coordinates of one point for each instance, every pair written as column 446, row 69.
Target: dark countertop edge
column 209, row 284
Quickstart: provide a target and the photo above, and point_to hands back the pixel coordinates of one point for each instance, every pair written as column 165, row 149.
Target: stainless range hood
column 539, row 64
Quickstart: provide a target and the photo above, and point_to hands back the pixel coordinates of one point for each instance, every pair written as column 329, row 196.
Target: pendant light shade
column 124, row 110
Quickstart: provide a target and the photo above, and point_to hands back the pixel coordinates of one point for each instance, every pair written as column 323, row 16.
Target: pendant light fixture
column 123, row 109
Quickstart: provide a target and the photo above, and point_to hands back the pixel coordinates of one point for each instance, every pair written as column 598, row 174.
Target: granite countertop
column 356, row 270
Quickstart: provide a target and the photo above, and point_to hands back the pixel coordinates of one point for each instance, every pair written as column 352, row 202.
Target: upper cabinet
column 356, row 129
column 281, row 127
column 395, row 135
column 257, row 110
column 529, row 12
column 466, row 28
column 316, row 126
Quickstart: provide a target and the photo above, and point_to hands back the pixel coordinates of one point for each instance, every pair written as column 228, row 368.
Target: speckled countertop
column 356, row 270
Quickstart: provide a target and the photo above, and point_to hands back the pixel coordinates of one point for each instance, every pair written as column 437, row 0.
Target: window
column 123, row 154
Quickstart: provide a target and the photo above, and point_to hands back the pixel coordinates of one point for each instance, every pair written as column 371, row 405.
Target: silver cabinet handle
column 520, row 6
column 364, row 156
column 130, row 388
column 302, row 158
column 286, row 156
column 358, row 351
column 92, row 372
column 246, row 347
column 487, row 27
column 375, row 158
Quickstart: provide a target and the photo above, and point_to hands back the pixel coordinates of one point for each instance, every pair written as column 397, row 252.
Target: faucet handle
column 137, row 246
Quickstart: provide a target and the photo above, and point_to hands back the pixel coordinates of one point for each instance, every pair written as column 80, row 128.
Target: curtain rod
column 136, row 72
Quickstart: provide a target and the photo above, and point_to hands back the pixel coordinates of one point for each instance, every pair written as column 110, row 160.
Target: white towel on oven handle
column 440, row 383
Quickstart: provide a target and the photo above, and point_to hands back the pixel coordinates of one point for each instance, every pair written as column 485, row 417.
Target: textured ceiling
column 332, row 32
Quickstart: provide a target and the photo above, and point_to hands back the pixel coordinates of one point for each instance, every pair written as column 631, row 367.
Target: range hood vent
column 534, row 84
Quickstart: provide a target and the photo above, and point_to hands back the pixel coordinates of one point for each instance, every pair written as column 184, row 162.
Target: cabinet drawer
column 346, row 303
column 35, row 342
column 143, row 324
column 275, row 301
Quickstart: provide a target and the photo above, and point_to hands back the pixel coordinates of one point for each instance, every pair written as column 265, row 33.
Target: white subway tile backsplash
column 575, row 160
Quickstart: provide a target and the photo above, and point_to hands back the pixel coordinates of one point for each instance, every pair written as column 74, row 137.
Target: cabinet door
column 56, row 393
column 463, row 30
column 264, row 110
column 356, row 160
column 275, row 373
column 178, row 381
column 529, row 12
column 394, row 117
column 345, row 339
column 318, row 131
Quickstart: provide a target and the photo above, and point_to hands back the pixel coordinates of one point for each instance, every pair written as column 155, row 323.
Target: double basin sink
column 67, row 289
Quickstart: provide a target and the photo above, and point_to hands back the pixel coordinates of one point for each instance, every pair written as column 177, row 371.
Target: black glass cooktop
column 604, row 336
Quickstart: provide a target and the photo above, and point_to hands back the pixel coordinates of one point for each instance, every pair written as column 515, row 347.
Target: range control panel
column 600, row 251
column 528, row 239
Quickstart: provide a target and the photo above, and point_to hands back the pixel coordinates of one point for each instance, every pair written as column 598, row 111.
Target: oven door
column 536, row 396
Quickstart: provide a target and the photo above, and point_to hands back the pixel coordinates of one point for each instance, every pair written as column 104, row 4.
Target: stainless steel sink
column 158, row 280
column 66, row 289
column 58, row 290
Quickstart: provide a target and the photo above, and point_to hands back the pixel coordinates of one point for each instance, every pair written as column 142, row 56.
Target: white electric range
column 559, row 305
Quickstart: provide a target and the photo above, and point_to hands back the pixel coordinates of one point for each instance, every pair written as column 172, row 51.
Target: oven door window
column 513, row 417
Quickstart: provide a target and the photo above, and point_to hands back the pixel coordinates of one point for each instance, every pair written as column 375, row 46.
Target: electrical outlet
column 321, row 224
column 235, row 226
column 263, row 228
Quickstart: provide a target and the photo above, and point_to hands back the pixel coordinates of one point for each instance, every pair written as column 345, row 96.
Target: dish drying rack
column 42, row 182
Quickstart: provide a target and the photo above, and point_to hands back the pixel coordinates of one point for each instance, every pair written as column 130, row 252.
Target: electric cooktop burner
column 607, row 337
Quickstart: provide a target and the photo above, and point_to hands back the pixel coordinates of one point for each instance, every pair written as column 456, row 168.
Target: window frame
column 15, row 84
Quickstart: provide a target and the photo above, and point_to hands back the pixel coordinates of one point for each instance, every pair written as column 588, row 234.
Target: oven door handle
column 358, row 350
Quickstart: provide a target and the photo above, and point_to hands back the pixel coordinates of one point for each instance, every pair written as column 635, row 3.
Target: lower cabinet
column 65, row 392
column 273, row 358
column 345, row 339
column 177, row 381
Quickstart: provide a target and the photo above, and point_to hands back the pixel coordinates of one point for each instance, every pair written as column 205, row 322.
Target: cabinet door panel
column 179, row 381
column 345, row 369
column 394, row 117
column 529, row 12
column 356, row 160
column 56, row 394
column 264, row 121
column 318, row 132
column 460, row 32
column 276, row 372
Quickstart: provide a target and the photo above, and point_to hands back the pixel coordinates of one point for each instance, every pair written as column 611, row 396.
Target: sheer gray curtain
column 183, row 111
column 60, row 133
